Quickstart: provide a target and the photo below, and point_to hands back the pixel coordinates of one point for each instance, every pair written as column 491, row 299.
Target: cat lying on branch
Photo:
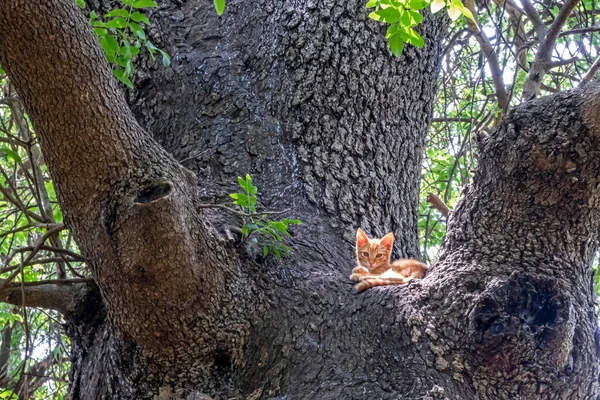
column 374, row 268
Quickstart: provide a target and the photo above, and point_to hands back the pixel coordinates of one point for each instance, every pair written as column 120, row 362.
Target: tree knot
column 523, row 319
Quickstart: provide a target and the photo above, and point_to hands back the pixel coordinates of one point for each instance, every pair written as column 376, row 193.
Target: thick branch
column 130, row 205
column 64, row 297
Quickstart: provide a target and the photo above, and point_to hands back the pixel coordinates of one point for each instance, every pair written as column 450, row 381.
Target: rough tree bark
column 307, row 99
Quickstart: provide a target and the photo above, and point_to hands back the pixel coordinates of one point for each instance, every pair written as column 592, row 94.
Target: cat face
column 373, row 253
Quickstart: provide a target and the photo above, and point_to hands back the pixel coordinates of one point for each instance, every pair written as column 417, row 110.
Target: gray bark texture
column 305, row 97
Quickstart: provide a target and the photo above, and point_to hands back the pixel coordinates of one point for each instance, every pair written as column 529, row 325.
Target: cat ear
column 387, row 241
column 361, row 238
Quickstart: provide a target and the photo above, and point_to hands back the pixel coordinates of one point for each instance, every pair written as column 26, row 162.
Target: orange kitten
column 375, row 269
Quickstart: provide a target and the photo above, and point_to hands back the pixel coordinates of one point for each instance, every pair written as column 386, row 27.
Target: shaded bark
column 306, row 98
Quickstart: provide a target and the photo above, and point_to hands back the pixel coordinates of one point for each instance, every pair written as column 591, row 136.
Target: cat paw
column 360, row 270
column 355, row 277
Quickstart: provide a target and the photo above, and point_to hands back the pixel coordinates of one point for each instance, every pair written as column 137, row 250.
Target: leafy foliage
column 34, row 246
column 256, row 226
column 403, row 16
column 122, row 36
column 466, row 107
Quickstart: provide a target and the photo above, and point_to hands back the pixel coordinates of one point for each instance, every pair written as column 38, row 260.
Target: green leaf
column 80, row 3
column 265, row 250
column 415, row 39
column 116, row 23
column 10, row 153
column 123, row 77
column 245, row 230
column 150, row 46
column 139, row 17
column 119, row 12
column 396, row 45
column 2, row 72
column 219, row 6
column 418, row 4
column 251, row 188
column 276, row 251
column 138, row 31
column 100, row 32
column 463, row 10
column 8, row 395
column 391, row 15
column 240, row 199
column 110, row 46
column 415, row 17
column 166, row 60
column 391, row 31
column 144, row 4
column 371, row 4
column 98, row 24
column 242, row 183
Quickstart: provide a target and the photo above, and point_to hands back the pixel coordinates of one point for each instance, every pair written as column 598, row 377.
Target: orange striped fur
column 374, row 269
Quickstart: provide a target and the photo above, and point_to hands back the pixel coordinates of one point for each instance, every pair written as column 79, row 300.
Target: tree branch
column 438, row 204
column 591, row 73
column 64, row 296
column 534, row 17
column 491, row 56
column 550, row 40
column 5, row 353
column 131, row 205
column 35, row 377
column 543, row 60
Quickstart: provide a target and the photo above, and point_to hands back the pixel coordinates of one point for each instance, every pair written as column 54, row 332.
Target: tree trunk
column 307, row 99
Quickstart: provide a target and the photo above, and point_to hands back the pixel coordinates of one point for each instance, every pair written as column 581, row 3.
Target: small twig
column 191, row 157
column 438, row 204
column 490, row 55
column 562, row 63
column 451, row 119
column 241, row 213
column 591, row 73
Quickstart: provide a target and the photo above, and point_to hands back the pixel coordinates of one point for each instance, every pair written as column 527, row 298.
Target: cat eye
column 365, row 253
column 379, row 255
